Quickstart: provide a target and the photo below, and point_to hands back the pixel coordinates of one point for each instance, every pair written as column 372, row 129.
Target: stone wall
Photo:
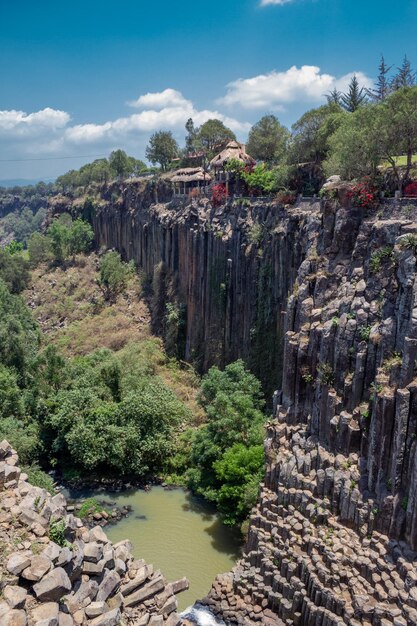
column 56, row 572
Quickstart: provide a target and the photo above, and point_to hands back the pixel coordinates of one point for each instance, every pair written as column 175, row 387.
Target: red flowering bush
column 219, row 194
column 410, row 191
column 364, row 194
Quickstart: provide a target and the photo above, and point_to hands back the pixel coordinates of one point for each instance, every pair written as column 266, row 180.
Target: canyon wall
column 228, row 270
column 321, row 301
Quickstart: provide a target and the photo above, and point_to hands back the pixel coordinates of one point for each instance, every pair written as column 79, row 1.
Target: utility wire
column 81, row 156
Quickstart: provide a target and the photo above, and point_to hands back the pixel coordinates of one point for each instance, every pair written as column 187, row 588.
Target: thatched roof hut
column 190, row 175
column 233, row 150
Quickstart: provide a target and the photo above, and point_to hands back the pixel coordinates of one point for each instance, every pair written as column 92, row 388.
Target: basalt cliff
column 320, row 299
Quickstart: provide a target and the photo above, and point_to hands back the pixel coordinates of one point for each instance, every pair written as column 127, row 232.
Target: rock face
column 320, row 300
column 83, row 579
column 333, row 538
column 228, row 270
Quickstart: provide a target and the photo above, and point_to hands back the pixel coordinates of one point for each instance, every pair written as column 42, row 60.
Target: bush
column 39, row 478
column 410, row 191
column 39, row 248
column 114, row 275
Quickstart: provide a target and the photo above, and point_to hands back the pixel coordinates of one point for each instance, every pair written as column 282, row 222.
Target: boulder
column 17, row 562
column 111, row 618
column 147, row 591
column 39, row 566
column 93, row 551
column 53, row 585
column 14, row 617
column 15, row 596
column 96, row 608
column 46, row 613
column 108, row 585
column 97, row 534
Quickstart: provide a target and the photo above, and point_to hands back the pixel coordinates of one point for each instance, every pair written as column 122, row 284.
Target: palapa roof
column 190, row 175
column 233, row 150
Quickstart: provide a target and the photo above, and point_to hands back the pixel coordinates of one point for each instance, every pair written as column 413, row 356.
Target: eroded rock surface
column 57, row 572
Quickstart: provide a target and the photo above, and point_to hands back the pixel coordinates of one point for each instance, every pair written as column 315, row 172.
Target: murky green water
column 179, row 534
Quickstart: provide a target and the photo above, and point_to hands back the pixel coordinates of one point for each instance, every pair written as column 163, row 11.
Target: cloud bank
column 274, row 90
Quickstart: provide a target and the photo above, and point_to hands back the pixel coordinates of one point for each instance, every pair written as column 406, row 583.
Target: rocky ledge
column 57, row 572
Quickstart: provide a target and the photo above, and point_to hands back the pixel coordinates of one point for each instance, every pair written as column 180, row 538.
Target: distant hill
column 23, row 182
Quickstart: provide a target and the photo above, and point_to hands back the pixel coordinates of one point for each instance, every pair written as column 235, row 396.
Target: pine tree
column 383, row 86
column 190, row 137
column 333, row 96
column 355, row 96
column 405, row 76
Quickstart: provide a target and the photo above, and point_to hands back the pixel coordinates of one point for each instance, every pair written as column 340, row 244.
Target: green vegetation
column 226, row 452
column 89, row 507
column 39, row 478
column 379, row 256
column 162, row 149
column 114, row 275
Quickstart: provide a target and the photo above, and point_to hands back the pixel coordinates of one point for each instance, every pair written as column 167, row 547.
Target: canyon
column 320, row 300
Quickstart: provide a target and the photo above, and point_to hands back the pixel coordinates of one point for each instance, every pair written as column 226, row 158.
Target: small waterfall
column 201, row 616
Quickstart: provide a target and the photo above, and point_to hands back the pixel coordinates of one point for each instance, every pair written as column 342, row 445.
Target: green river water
column 178, row 534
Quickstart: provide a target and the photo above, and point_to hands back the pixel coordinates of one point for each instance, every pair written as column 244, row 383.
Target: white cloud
column 265, row 3
column 159, row 100
column 276, row 89
column 170, row 110
column 20, row 123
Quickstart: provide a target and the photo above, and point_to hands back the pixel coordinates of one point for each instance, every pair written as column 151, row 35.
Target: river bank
column 177, row 532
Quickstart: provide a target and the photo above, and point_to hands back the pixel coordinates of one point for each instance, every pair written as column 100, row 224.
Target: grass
column 400, row 161
column 73, row 315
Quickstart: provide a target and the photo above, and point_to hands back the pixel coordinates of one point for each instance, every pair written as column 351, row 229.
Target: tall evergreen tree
column 383, row 86
column 190, row 137
column 405, row 76
column 356, row 95
column 333, row 96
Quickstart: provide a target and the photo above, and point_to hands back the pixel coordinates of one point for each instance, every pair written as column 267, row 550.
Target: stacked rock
column 56, row 571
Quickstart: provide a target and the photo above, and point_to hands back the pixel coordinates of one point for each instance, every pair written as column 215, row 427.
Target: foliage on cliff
column 227, row 452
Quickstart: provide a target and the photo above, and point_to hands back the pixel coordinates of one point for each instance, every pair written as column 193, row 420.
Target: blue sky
column 84, row 77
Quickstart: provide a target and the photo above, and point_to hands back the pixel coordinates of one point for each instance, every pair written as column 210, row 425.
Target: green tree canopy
column 162, row 149
column 114, row 274
column 268, row 140
column 213, row 136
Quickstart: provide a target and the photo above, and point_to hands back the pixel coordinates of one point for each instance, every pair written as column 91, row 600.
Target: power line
column 81, row 156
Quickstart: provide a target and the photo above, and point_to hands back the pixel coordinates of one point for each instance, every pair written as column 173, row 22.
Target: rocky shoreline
column 55, row 571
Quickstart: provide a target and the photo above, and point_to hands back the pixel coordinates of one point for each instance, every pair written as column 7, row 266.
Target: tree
column 80, row 237
column 239, row 470
column 353, row 147
column 39, row 248
column 119, row 163
column 213, row 136
column 383, row 87
column 14, row 271
column 268, row 140
column 260, row 179
column 396, row 119
column 162, row 149
column 405, row 76
column 334, row 96
column 233, row 402
column 114, row 275
column 69, row 238
column 355, row 97
column 190, row 137
column 311, row 133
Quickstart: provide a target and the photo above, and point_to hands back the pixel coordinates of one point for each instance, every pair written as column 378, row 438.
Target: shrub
column 410, row 191
column 39, row 478
column 114, row 275
column 326, row 374
column 364, row 194
column 408, row 242
column 219, row 194
column 286, row 197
